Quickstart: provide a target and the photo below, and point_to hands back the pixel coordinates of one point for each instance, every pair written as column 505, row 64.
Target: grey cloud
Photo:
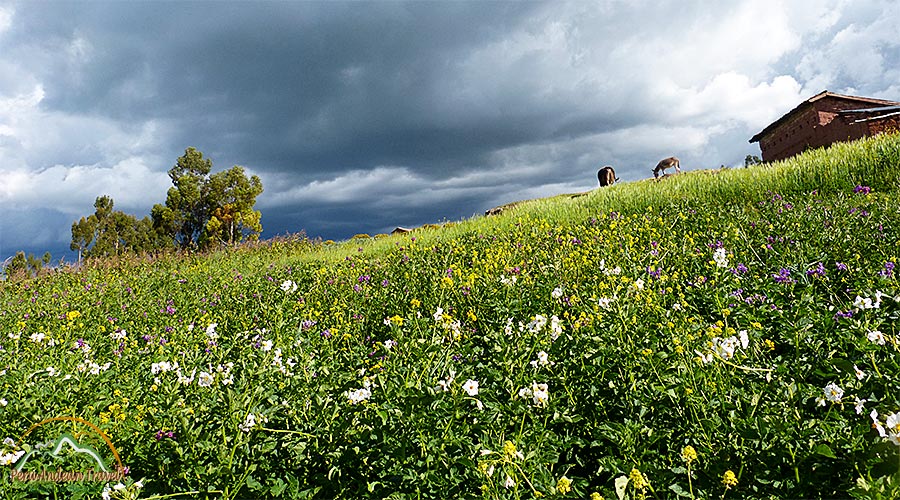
column 363, row 115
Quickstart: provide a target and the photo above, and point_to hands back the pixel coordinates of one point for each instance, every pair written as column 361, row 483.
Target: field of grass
column 722, row 334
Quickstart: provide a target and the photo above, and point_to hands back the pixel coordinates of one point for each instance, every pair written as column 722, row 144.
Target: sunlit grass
column 713, row 334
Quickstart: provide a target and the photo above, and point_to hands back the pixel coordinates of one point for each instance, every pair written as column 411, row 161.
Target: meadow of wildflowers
column 686, row 339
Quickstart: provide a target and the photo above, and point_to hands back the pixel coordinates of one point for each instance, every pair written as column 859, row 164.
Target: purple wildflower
column 783, row 276
column 839, row 315
column 862, row 189
column 164, row 434
column 816, row 272
column 739, row 269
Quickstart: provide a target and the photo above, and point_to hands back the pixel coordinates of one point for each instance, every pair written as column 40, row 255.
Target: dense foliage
column 201, row 211
column 653, row 340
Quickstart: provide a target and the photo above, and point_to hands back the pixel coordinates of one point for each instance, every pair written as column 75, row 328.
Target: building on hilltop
column 824, row 119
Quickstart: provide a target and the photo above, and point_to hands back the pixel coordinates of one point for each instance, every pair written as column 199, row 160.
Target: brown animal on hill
column 666, row 163
column 607, row 176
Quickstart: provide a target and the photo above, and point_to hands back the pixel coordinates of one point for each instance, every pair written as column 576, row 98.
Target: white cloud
column 558, row 90
column 6, row 17
column 853, row 55
column 73, row 189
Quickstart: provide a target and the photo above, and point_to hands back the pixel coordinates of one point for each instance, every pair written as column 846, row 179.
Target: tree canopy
column 109, row 232
column 200, row 211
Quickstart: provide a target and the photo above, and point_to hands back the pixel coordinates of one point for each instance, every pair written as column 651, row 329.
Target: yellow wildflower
column 564, row 485
column 509, row 450
column 638, row 479
column 729, row 479
column 689, row 454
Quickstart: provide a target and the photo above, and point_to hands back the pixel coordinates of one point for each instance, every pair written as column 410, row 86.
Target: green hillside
column 718, row 334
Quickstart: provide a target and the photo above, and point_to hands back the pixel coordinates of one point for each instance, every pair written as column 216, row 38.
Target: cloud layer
column 362, row 116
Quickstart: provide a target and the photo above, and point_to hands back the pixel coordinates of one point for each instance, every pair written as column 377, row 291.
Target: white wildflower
column 604, row 302
column 557, row 293
column 36, row 337
column 537, row 324
column 720, row 257
column 205, row 379
column 833, row 393
column 251, row 421
column 876, row 337
column 540, row 394
column 186, row 380
column 745, row 340
column 508, row 329
column 359, row 395
column 892, row 424
column 725, row 348
column 471, row 387
column 11, row 458
column 555, row 327
column 859, row 373
column 543, row 359
column 866, row 303
column 610, row 272
column 877, row 423
column 508, row 281
column 288, row 286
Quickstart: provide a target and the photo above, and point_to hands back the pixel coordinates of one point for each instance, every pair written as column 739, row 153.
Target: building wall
column 791, row 137
column 814, row 126
column 884, row 125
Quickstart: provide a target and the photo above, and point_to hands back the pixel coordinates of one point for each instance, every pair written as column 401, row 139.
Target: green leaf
column 253, row 484
column 824, row 450
column 678, row 490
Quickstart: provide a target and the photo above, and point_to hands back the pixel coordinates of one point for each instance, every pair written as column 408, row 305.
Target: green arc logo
column 66, row 441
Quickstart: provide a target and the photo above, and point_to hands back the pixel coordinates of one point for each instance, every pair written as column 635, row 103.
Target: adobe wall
column 820, row 125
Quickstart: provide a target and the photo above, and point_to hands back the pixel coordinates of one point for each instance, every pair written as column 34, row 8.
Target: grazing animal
column 607, row 176
column 666, row 163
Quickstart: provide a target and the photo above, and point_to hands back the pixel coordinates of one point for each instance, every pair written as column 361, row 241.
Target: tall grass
column 874, row 162
column 714, row 334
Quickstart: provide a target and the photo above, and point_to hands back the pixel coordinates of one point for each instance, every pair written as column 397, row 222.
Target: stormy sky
column 363, row 116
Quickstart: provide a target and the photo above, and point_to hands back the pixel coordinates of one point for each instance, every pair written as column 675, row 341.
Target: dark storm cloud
column 360, row 116
column 324, row 86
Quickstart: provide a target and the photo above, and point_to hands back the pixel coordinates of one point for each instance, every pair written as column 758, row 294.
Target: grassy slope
column 626, row 388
